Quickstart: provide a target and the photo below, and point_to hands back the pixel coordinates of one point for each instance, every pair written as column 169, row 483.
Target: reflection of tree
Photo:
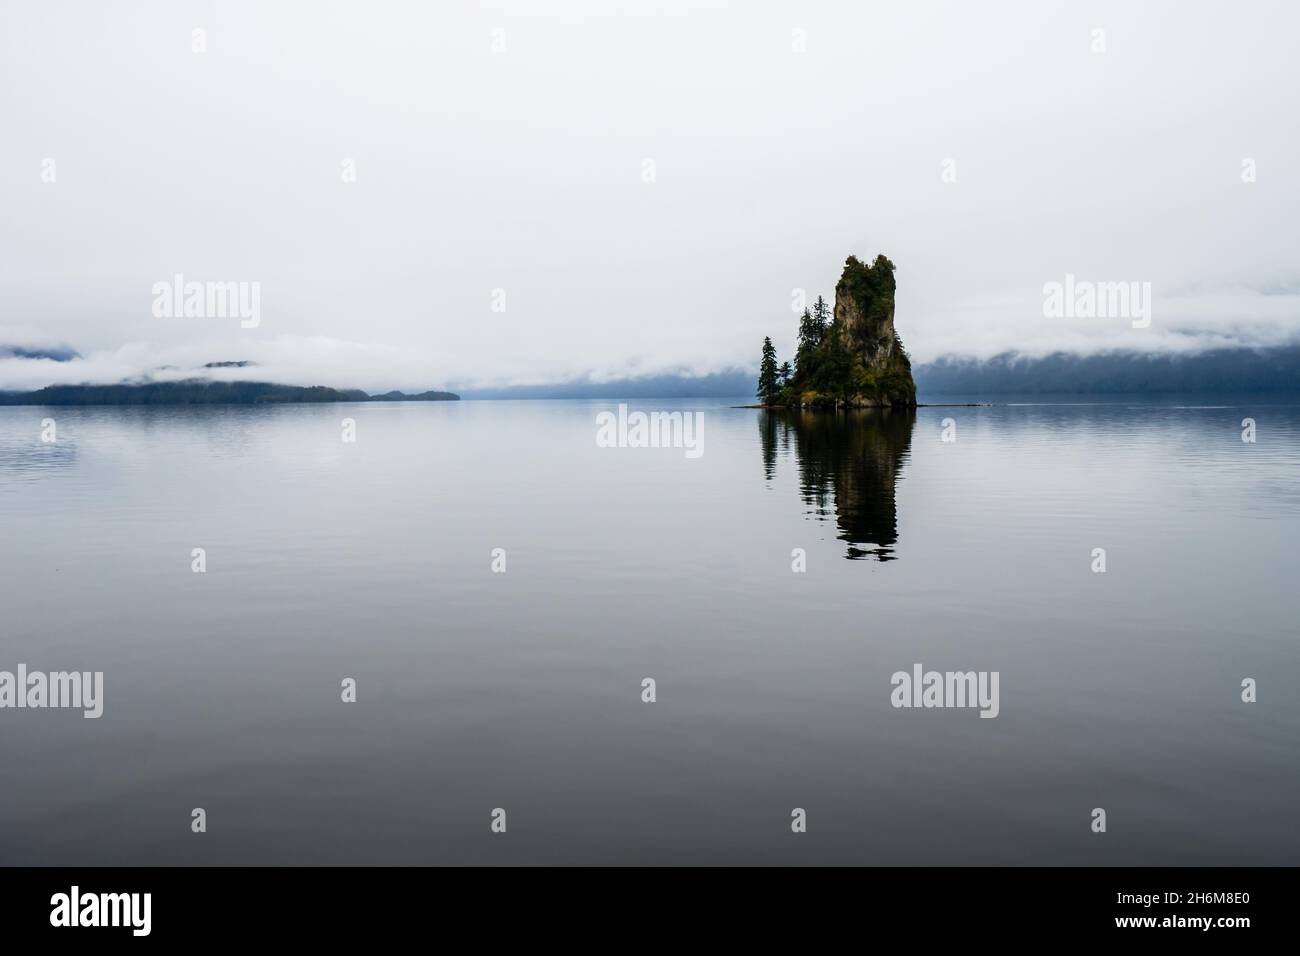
column 851, row 458
column 767, row 427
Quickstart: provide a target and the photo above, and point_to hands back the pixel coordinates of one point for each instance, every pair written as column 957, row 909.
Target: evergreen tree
column 814, row 329
column 834, row 366
column 767, row 383
column 821, row 318
column 784, row 375
column 808, row 334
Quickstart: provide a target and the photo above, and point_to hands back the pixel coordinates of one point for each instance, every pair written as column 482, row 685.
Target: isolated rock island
column 851, row 357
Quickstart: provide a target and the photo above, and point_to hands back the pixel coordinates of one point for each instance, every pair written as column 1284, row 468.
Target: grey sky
column 523, row 170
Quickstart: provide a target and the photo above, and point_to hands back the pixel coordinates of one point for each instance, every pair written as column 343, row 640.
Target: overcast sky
column 524, row 170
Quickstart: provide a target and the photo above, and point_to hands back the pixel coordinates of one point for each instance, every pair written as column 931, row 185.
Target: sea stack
column 855, row 360
column 864, row 310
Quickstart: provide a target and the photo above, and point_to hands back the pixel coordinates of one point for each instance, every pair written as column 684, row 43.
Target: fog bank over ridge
column 349, row 365
column 1273, row 368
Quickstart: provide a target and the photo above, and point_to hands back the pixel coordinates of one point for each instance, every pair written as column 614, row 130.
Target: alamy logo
column 75, row 908
column 1083, row 299
column 654, row 430
column 947, row 689
column 208, row 300
column 38, row 690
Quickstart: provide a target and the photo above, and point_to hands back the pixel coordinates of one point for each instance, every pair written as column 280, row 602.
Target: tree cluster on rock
column 849, row 356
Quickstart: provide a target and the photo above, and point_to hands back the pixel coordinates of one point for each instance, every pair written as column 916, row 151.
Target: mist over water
column 522, row 690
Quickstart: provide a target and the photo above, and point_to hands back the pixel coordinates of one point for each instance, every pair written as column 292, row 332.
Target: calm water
column 522, row 690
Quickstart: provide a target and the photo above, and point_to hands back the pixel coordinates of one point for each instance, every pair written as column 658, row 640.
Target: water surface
column 522, row 690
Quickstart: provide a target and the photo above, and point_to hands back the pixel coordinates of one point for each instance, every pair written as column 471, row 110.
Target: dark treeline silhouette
column 1218, row 370
column 848, row 464
column 203, row 393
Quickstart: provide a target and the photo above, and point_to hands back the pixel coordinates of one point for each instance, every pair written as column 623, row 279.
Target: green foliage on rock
column 850, row 356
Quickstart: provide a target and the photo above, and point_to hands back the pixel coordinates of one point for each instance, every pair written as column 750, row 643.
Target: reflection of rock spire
column 853, row 458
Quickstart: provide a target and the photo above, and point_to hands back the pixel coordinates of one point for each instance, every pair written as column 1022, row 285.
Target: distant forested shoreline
column 1275, row 369
column 206, row 393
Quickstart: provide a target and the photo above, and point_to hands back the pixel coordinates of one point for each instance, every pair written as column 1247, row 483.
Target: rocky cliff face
column 860, row 362
column 864, row 309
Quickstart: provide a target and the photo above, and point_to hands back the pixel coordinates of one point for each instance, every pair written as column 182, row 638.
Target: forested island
column 847, row 357
column 202, row 392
